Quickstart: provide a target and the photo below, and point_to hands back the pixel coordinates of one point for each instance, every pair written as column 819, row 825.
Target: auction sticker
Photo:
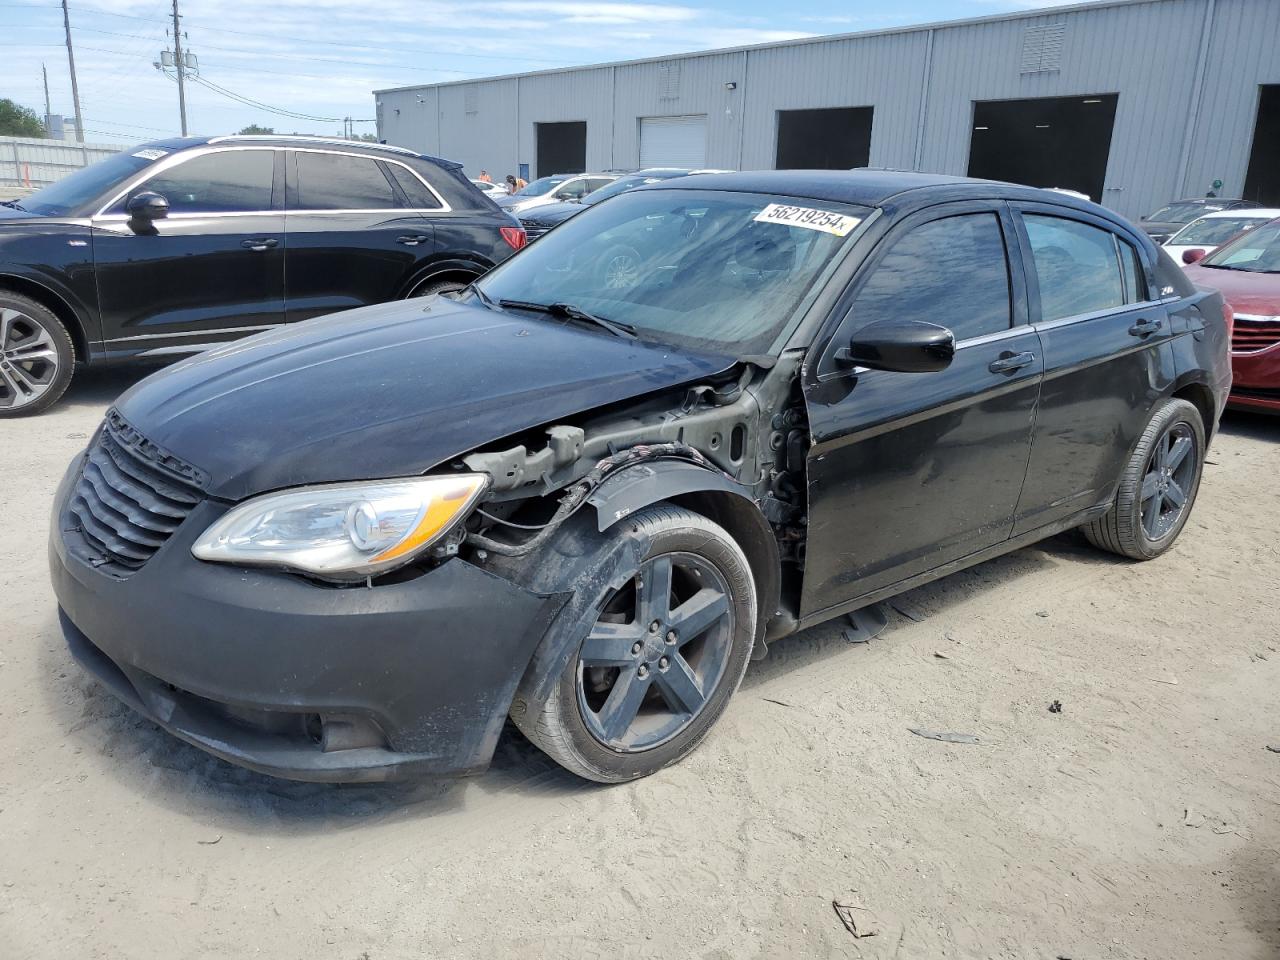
column 151, row 154
column 808, row 217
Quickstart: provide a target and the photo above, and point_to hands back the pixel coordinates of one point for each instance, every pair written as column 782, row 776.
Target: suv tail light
column 515, row 236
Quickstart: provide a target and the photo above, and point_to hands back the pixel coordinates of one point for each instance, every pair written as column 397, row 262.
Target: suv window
column 414, row 190
column 335, row 181
column 951, row 271
column 229, row 181
column 1076, row 265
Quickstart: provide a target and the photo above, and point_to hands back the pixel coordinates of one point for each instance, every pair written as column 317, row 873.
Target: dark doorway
column 1263, row 180
column 1045, row 142
column 562, row 148
column 837, row 138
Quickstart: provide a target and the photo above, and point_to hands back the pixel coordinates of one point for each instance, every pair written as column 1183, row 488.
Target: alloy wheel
column 621, row 272
column 656, row 654
column 28, row 359
column 1168, row 481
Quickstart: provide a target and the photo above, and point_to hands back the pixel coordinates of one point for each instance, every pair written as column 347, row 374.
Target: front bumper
column 300, row 680
column 1256, row 380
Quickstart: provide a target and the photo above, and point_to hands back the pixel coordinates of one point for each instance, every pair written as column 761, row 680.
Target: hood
column 387, row 391
column 554, row 213
column 1256, row 293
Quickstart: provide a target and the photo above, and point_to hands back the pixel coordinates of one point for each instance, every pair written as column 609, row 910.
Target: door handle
column 1144, row 327
column 260, row 243
column 411, row 241
column 1011, row 361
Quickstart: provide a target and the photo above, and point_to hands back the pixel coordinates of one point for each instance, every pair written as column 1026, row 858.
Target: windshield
column 87, row 184
column 1258, row 251
column 539, row 187
column 706, row 269
column 1185, row 211
column 623, row 184
column 1211, row 231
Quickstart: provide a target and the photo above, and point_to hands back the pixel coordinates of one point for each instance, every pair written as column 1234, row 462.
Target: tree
column 19, row 121
column 254, row 130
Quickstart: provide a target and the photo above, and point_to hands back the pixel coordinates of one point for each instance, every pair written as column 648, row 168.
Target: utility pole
column 47, row 109
column 71, row 61
column 180, row 67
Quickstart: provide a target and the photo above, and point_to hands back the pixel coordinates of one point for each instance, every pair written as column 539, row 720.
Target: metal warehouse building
column 1134, row 102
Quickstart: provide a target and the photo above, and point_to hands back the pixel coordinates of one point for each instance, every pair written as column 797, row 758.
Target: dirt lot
column 1143, row 820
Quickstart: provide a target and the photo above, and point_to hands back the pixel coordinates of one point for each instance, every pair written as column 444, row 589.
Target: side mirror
column 903, row 346
column 147, row 206
column 1193, row 256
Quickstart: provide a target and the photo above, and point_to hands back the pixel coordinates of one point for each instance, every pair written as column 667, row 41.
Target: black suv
column 184, row 243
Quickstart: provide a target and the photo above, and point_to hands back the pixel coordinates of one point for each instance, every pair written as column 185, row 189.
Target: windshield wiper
column 13, row 203
column 572, row 312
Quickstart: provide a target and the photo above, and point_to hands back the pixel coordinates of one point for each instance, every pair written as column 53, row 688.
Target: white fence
column 28, row 162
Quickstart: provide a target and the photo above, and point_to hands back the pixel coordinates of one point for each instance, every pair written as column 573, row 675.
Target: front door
column 1107, row 355
column 909, row 471
column 354, row 235
column 212, row 270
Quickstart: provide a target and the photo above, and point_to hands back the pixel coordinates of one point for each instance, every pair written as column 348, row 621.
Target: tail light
column 515, row 236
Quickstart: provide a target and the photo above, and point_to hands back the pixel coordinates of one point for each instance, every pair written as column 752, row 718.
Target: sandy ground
column 1140, row 821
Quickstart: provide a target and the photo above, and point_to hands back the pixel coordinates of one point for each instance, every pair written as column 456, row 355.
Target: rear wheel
column 667, row 648
column 37, row 357
column 1157, row 488
column 429, row 288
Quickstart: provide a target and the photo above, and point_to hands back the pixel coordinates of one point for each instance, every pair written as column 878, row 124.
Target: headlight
column 343, row 531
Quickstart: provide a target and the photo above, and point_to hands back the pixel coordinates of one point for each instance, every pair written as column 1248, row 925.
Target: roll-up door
column 673, row 142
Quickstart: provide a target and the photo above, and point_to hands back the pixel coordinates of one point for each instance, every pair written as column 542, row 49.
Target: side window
column 415, row 191
column 596, row 183
column 952, row 272
column 572, row 190
column 1135, row 281
column 229, row 181
column 334, row 181
column 1076, row 266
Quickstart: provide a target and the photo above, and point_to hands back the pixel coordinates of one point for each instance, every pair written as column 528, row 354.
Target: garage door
column 673, row 142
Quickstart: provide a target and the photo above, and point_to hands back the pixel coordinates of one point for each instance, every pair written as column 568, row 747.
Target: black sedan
column 350, row 549
column 182, row 244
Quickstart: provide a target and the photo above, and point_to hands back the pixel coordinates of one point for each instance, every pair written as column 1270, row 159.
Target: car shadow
column 99, row 385
column 1254, row 426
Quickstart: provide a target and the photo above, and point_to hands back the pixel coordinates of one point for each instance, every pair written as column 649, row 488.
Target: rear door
column 908, row 471
column 212, row 270
column 354, row 236
column 1106, row 337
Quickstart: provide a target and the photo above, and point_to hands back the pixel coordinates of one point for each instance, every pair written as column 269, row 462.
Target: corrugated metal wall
column 27, row 161
column 1182, row 120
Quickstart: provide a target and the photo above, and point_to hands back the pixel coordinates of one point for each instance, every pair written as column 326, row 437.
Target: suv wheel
column 654, row 665
column 429, row 288
column 37, row 357
column 1157, row 488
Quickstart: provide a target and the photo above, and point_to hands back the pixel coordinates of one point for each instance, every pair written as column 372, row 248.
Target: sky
column 319, row 60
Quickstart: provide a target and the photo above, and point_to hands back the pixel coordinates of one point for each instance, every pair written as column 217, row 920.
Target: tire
column 1148, row 481
column 618, row 268
column 37, row 357
column 432, row 287
column 571, row 724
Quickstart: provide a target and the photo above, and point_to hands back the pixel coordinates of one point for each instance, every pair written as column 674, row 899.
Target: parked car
column 1165, row 222
column 1247, row 272
column 555, row 189
column 1214, row 229
column 349, row 549
column 544, row 218
column 182, row 244
column 494, row 191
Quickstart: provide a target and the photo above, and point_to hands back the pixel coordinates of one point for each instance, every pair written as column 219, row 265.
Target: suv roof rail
column 297, row 138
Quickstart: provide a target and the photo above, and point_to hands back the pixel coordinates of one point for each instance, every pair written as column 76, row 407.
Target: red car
column 1247, row 272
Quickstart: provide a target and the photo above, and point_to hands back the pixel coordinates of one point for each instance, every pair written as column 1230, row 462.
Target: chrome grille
column 533, row 230
column 129, row 498
column 1250, row 336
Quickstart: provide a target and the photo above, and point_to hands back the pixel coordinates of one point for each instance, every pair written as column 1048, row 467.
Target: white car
column 490, row 189
column 1214, row 229
column 555, row 189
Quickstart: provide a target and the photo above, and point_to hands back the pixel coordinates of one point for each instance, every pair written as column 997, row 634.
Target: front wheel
column 669, row 644
column 1158, row 486
column 37, row 357
column 429, row 288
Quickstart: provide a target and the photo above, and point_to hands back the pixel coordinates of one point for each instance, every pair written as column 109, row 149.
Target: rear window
column 415, row 191
column 333, row 181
